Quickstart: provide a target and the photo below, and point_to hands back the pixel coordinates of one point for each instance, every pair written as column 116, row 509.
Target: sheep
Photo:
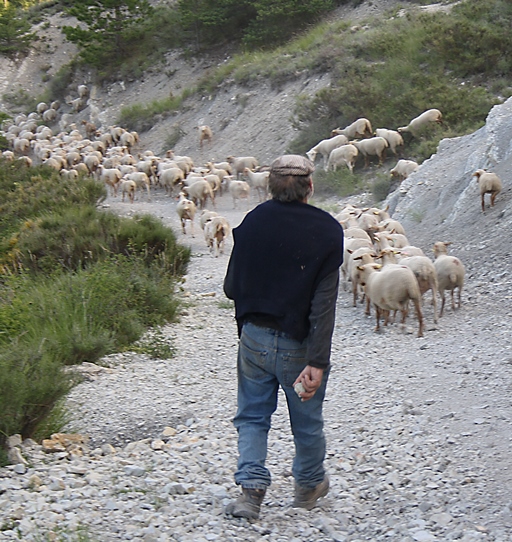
column 128, row 187
column 205, row 134
column 389, row 225
column 50, row 115
column 69, row 174
column 215, row 182
column 128, row 139
column 26, row 160
column 326, row 146
column 239, row 190
column 343, row 155
column 41, row 107
column 110, row 176
column 92, row 162
column 226, row 166
column 356, row 233
column 393, row 137
column 403, row 169
column 359, row 128
column 239, row 163
column 8, row 156
column 77, row 104
column 417, row 124
column 426, row 275
column 90, row 128
column 83, row 91
column 391, row 289
column 374, row 146
column 259, row 181
column 169, row 178
column 489, row 183
column 199, row 192
column 141, row 180
column 216, row 231
column 358, row 257
column 205, row 216
column 450, row 273
column 186, row 210
column 350, row 246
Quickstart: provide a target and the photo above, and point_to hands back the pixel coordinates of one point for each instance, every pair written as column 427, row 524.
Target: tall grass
column 76, row 284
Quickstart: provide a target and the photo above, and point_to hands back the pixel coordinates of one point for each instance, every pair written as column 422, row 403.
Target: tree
column 106, row 28
column 15, row 35
column 255, row 22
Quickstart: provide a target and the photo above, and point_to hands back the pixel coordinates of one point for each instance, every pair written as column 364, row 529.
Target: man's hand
column 311, row 379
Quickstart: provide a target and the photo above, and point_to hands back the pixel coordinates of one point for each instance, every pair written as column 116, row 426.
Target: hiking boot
column 247, row 505
column 306, row 497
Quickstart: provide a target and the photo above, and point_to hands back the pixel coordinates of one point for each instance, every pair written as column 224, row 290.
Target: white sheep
column 239, row 190
column 238, row 163
column 216, row 231
column 83, row 91
column 50, row 115
column 450, row 274
column 391, row 289
column 426, row 275
column 325, row 147
column 110, row 176
column 141, row 180
column 128, row 187
column 343, row 155
column 489, row 183
column 169, row 178
column 417, row 124
column 259, row 181
column 205, row 134
column 205, row 216
column 186, row 210
column 359, row 128
column 393, row 137
column 403, row 169
column 199, row 192
column 374, row 146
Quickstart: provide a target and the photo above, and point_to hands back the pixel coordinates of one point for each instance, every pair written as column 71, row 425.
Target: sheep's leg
column 443, row 299
column 377, row 318
column 458, row 297
column 493, row 197
column 483, row 203
column 434, row 301
column 419, row 315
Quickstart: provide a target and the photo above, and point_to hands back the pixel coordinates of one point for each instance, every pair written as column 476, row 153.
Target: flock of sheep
column 379, row 261
column 390, row 273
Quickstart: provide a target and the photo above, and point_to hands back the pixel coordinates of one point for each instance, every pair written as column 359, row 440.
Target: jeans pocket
column 252, row 362
column 293, row 364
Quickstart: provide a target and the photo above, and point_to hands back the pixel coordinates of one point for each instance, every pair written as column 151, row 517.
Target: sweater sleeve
column 322, row 317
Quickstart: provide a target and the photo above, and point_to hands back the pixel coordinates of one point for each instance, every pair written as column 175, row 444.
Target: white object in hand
column 299, row 388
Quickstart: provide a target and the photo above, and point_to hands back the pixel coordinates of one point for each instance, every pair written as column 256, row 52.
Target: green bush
column 49, row 322
column 76, row 284
column 341, row 182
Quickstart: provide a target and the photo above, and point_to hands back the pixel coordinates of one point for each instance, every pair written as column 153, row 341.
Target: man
column 283, row 275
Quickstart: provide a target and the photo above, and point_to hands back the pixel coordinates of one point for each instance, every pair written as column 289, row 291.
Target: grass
column 76, row 284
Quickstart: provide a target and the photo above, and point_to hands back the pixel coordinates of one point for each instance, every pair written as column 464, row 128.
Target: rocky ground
column 418, row 430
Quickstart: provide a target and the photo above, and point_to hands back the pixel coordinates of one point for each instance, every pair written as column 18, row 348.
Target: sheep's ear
column 377, row 266
column 360, row 267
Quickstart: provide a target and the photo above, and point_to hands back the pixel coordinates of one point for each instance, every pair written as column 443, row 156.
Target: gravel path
column 419, row 431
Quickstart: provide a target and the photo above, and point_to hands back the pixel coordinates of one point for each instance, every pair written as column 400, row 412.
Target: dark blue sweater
column 282, row 252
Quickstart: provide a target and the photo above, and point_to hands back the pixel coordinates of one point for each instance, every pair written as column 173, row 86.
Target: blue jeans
column 268, row 359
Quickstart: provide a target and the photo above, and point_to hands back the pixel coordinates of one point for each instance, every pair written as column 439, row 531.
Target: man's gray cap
column 292, row 164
